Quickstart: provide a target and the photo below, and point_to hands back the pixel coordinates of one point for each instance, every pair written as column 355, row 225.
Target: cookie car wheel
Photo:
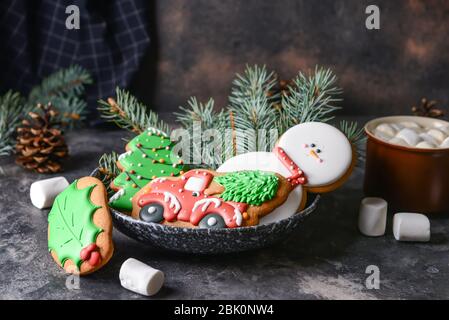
column 212, row 221
column 152, row 212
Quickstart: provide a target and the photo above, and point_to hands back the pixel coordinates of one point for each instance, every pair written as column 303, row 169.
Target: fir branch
column 67, row 82
column 252, row 105
column 12, row 109
column 313, row 97
column 107, row 166
column 130, row 114
column 356, row 136
column 64, row 89
column 202, row 116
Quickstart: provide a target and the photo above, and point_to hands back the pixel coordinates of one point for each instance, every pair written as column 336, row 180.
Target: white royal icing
column 117, row 195
column 156, row 131
column 322, row 151
column 205, row 203
column 194, row 184
column 124, row 155
column 238, row 217
column 174, row 202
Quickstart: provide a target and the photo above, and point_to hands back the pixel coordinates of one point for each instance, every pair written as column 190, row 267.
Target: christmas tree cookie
column 80, row 227
column 147, row 156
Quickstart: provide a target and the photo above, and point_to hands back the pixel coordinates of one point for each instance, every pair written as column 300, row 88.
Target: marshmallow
column 385, row 130
column 410, row 125
column 410, row 136
column 429, row 139
column 138, row 277
column 396, row 126
column 44, row 192
column 411, row 227
column 442, row 127
column 437, row 134
column 373, row 217
column 445, row 143
column 381, row 135
column 425, row 145
column 398, row 141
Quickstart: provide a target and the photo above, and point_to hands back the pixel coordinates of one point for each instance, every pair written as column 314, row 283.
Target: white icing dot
column 180, row 190
column 211, row 221
column 151, row 210
column 162, row 171
column 139, row 165
column 144, row 155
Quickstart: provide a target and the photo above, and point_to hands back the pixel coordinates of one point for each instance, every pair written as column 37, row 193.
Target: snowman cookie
column 315, row 157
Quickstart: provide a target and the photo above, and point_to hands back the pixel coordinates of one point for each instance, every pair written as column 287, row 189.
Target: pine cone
column 40, row 145
column 428, row 109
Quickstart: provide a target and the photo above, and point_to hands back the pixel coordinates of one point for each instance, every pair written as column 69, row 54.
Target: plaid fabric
column 110, row 43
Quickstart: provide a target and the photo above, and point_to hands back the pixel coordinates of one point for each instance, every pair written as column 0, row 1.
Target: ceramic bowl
column 410, row 179
column 208, row 241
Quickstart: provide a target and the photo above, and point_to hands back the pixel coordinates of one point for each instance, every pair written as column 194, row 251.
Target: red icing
column 194, row 206
column 90, row 254
column 297, row 175
column 95, row 258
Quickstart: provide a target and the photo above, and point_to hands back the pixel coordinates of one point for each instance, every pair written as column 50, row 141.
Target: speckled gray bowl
column 210, row 241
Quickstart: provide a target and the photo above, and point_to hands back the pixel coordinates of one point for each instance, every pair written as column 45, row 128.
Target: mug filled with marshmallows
column 407, row 163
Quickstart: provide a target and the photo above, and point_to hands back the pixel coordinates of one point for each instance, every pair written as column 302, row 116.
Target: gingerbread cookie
column 314, row 157
column 148, row 156
column 80, row 227
column 208, row 199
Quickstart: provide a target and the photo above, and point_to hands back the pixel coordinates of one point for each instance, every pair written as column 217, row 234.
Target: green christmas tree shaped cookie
column 149, row 156
column 71, row 223
column 251, row 187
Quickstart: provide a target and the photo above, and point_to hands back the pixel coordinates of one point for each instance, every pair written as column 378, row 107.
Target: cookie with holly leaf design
column 80, row 227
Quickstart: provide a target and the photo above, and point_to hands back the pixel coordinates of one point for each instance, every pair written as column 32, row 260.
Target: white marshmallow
column 398, row 141
column 442, row 127
column 373, row 217
column 411, row 227
column 386, row 130
column 140, row 278
column 381, row 135
column 396, row 126
column 437, row 134
column 429, row 139
column 410, row 136
column 445, row 143
column 44, row 192
column 425, row 145
column 410, row 125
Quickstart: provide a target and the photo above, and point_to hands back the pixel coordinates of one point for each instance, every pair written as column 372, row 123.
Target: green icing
column 251, row 187
column 71, row 223
column 150, row 155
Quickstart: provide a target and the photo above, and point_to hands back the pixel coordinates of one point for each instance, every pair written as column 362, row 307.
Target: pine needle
column 356, row 136
column 65, row 90
column 130, row 114
column 12, row 109
column 252, row 106
column 107, row 166
column 312, row 98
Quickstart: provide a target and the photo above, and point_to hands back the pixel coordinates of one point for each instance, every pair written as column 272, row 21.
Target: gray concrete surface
column 326, row 259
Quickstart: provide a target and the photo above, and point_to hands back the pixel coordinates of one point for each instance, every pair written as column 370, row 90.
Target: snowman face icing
column 320, row 150
column 313, row 151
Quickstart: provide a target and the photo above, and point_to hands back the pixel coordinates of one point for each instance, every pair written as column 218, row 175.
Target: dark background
column 199, row 45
